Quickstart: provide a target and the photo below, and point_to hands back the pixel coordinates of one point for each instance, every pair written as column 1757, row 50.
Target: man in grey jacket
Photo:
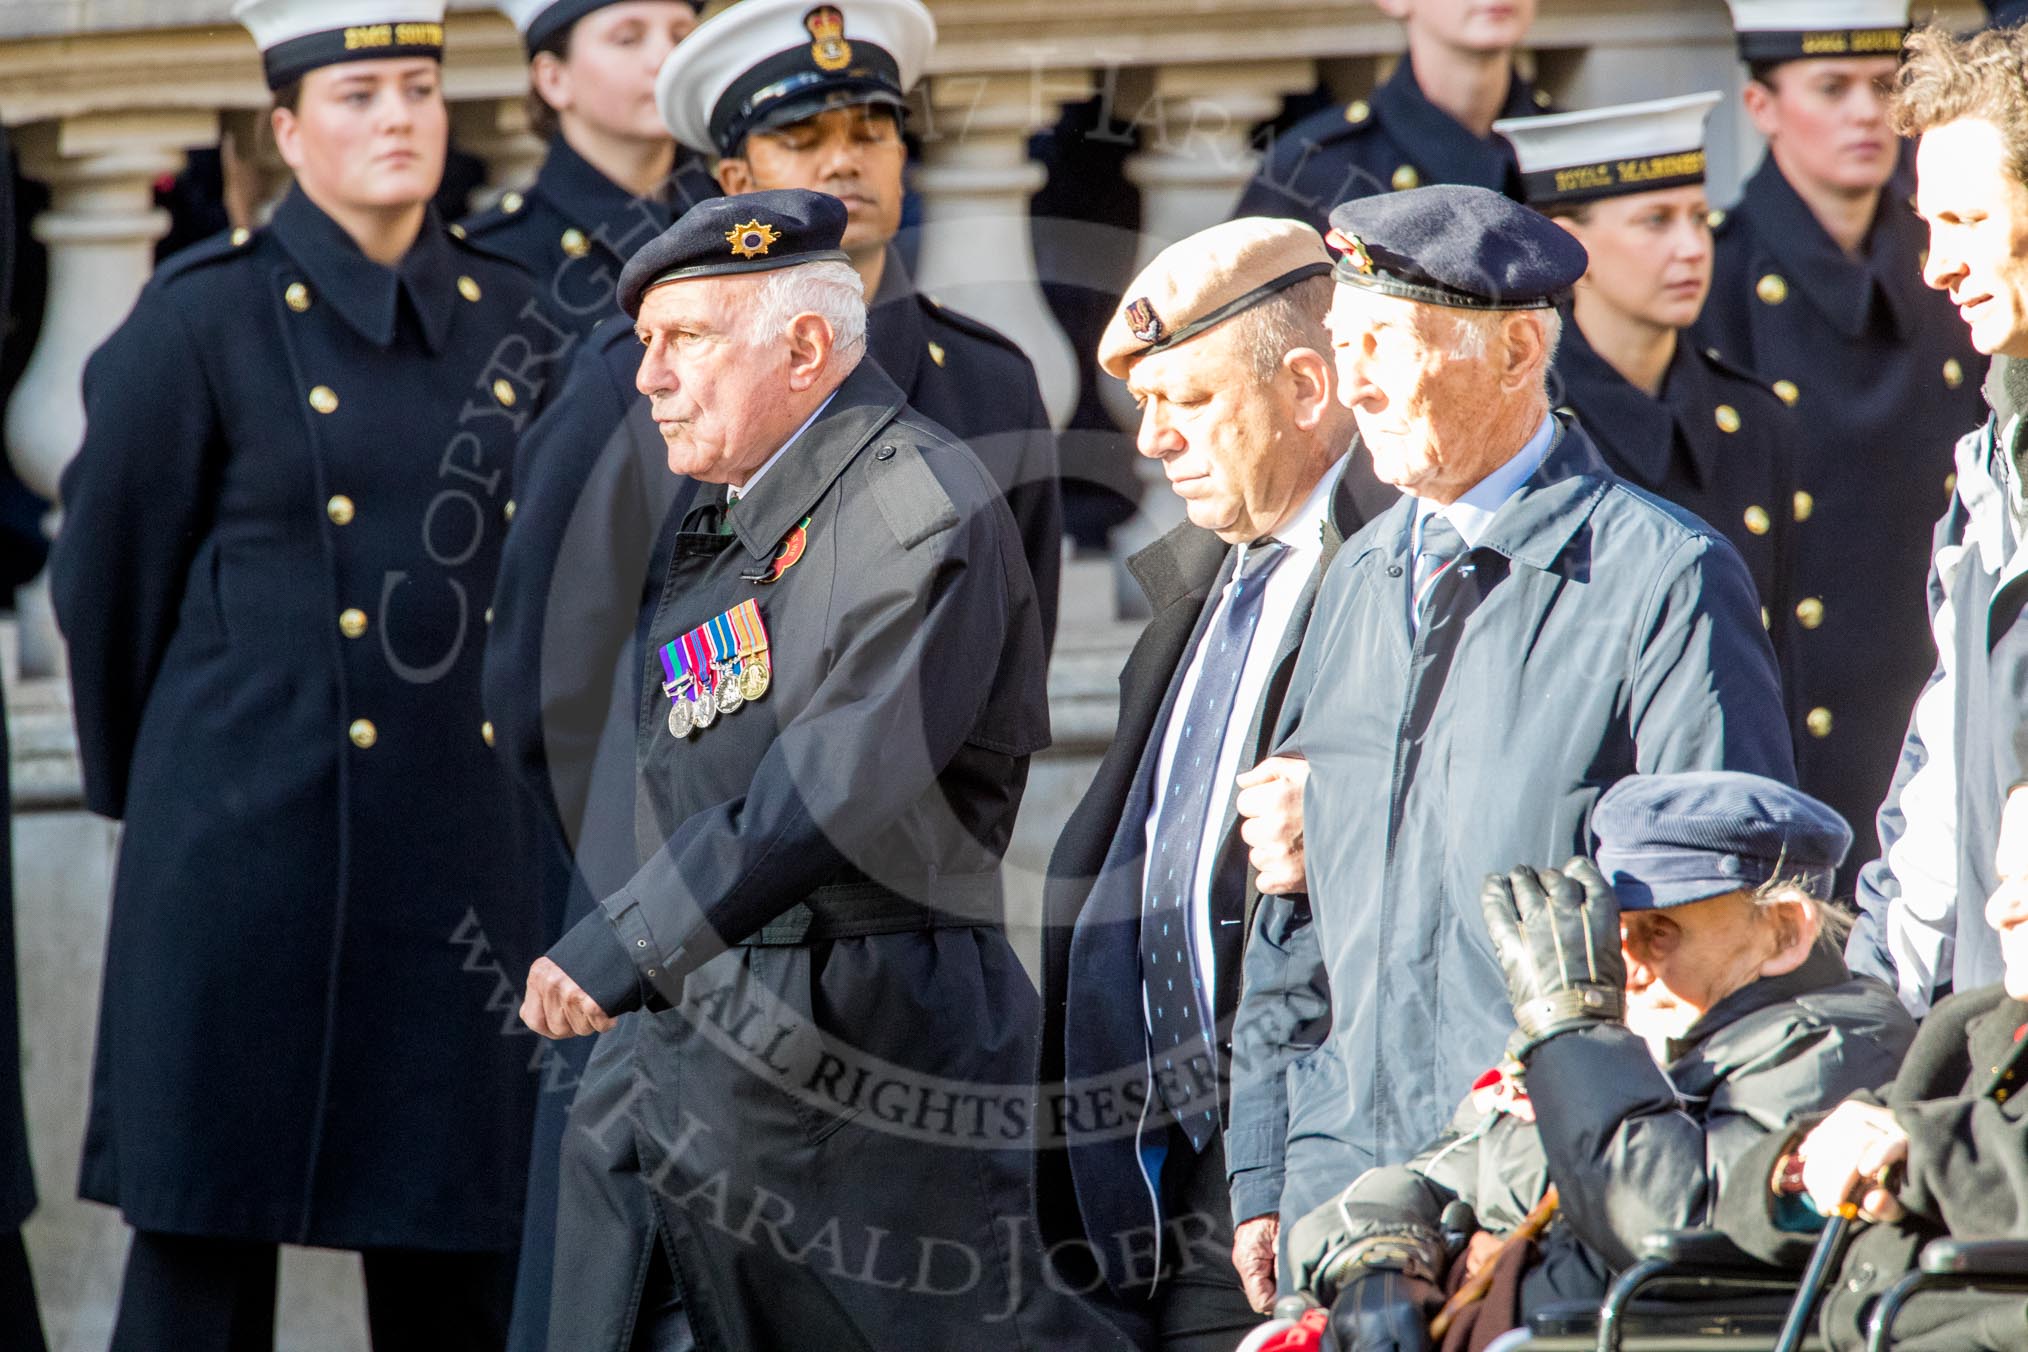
column 1674, row 1003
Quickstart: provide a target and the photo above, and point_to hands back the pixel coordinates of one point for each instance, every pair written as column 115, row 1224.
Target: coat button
column 1766, row 620
column 1714, row 218
column 507, row 512
column 1951, row 482
column 1772, row 289
column 352, row 623
column 1818, row 721
column 884, row 453
column 324, row 399
column 1954, row 372
column 469, row 289
column 575, row 244
column 486, row 732
column 1357, row 111
column 511, row 202
column 1802, row 505
column 503, row 390
column 240, row 236
column 1810, row 612
column 1727, row 418
column 297, row 297
column 1786, row 391
column 340, row 510
column 457, row 231
column 489, row 614
column 1405, row 178
column 936, row 351
column 1757, row 520
column 363, row 733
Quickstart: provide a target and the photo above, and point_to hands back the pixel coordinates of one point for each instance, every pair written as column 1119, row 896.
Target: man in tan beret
column 1222, row 343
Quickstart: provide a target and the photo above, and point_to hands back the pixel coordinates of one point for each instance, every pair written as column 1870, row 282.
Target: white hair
column 1470, row 332
column 831, row 289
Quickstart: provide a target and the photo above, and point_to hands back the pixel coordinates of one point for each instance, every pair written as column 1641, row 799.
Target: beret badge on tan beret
column 1143, row 322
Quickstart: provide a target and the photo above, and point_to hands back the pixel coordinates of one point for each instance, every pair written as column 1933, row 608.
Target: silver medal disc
column 704, row 712
column 729, row 695
column 679, row 719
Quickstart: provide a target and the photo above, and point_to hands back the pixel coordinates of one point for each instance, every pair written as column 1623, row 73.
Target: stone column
column 497, row 131
column 975, row 179
column 100, row 230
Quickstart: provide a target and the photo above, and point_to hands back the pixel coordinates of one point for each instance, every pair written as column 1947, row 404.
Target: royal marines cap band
column 298, row 36
column 767, row 63
column 1787, row 30
column 753, row 232
column 1452, row 244
column 1205, row 280
column 1610, row 152
column 541, row 20
column 1668, row 840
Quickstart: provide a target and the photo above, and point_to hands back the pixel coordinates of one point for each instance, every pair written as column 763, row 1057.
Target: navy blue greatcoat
column 280, row 543
column 1395, row 139
column 574, row 229
column 1594, row 632
column 1884, row 380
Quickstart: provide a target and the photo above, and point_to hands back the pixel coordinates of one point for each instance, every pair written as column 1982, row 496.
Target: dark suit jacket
column 1095, row 1115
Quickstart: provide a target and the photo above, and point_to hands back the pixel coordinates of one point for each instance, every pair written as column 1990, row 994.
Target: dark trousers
column 218, row 1295
column 1199, row 1305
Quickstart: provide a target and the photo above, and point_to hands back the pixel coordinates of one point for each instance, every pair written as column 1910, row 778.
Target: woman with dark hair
column 614, row 179
column 281, row 536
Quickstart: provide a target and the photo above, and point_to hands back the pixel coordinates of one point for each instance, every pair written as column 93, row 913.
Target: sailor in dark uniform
column 281, row 535
column 790, row 96
column 1818, row 289
column 1666, row 413
column 1430, row 122
column 847, row 683
column 613, row 180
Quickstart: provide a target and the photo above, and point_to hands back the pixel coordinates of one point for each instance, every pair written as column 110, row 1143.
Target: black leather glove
column 1381, row 1312
column 1341, row 1239
column 1557, row 935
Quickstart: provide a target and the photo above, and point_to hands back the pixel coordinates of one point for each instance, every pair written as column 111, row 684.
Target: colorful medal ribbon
column 715, row 668
column 750, row 638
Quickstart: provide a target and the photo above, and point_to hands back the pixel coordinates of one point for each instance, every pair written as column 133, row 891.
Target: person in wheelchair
column 1942, row 1152
column 1674, row 1003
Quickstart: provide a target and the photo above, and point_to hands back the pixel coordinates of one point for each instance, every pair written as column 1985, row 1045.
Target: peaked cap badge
column 830, row 50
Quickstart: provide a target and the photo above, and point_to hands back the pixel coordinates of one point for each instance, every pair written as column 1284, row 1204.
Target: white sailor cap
column 541, row 20
column 298, row 36
column 1787, row 30
column 1610, row 152
column 767, row 63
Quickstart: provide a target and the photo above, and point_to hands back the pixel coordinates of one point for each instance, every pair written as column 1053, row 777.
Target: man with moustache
column 1817, row 288
column 1523, row 629
column 1221, row 342
column 1431, row 122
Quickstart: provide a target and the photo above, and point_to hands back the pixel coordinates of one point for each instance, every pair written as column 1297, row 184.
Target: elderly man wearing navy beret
column 1674, row 1003
column 1519, row 632
column 821, row 1081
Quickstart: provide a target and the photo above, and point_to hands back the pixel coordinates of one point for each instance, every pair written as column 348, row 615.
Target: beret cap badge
column 830, row 51
column 1354, row 251
column 1143, row 321
column 752, row 239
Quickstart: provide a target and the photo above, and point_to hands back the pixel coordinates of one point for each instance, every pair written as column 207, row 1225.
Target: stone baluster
column 100, row 230
column 975, row 179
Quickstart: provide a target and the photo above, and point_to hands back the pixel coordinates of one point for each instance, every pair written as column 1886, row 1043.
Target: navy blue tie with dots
column 1179, row 1008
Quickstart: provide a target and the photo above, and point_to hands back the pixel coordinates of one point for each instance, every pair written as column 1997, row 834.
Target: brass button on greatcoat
column 1809, row 612
column 469, row 289
column 511, row 202
column 508, row 511
column 352, row 623
column 1772, row 289
column 1818, row 721
column 1803, row 505
column 1954, row 372
column 240, row 236
column 297, row 297
column 324, row 399
column 1405, row 178
column 340, row 510
column 1786, row 391
column 936, row 351
column 1757, row 520
column 1727, row 418
column 1358, row 111
column 575, row 244
column 503, row 390
column 363, row 733
column 486, row 732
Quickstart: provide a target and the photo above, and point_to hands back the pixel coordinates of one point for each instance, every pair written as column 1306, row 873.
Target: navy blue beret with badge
column 753, row 232
column 541, row 20
column 1452, row 244
column 762, row 64
column 1668, row 840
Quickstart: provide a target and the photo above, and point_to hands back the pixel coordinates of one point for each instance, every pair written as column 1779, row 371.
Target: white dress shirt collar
column 1472, row 515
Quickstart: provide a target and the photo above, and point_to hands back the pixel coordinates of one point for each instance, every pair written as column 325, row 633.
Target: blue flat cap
column 1668, row 840
column 1450, row 244
column 753, row 232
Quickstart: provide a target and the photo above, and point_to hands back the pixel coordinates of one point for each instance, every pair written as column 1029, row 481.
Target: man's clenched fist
column 557, row 1008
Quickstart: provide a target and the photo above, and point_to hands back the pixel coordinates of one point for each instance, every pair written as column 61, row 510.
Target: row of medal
column 716, row 668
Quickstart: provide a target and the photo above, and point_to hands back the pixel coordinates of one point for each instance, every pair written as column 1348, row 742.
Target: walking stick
column 1474, row 1291
column 1824, row 1259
